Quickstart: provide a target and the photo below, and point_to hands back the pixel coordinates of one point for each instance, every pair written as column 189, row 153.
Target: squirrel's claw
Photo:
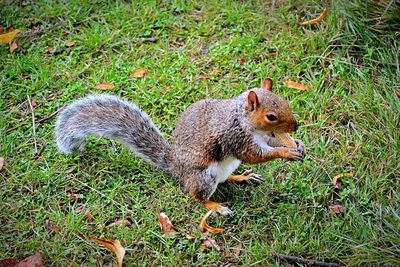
column 224, row 211
column 250, row 175
column 295, row 154
column 300, row 147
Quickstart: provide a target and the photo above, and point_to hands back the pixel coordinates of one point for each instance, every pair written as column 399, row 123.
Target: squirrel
column 210, row 140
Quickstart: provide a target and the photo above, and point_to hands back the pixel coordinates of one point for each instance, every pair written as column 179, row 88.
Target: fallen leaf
column 120, row 223
column 215, row 71
column 295, row 85
column 165, row 224
column 8, row 262
column 139, row 73
column 8, row 37
column 32, row 261
column 51, row 225
column 238, row 249
column 1, row 163
column 50, row 50
column 89, row 216
column 70, row 170
column 209, row 243
column 115, row 246
column 69, row 44
column 336, row 209
column 189, row 237
column 314, row 21
column 73, row 196
column 337, row 177
column 105, row 86
column 205, row 227
column 13, row 46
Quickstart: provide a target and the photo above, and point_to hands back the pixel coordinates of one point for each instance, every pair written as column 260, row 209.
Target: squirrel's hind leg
column 201, row 185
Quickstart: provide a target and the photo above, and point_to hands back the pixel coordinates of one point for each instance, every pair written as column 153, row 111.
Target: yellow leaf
column 339, row 176
column 314, row 21
column 139, row 73
column 7, row 38
column 105, row 86
column 295, row 85
column 115, row 246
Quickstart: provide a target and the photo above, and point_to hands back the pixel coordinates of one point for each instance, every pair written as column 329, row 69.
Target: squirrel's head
column 269, row 112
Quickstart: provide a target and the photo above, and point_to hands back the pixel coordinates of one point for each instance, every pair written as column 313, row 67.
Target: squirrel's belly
column 222, row 169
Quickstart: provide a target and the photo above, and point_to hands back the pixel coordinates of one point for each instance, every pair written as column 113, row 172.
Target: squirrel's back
column 111, row 117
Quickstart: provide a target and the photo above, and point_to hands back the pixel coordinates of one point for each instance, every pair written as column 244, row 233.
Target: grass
column 349, row 116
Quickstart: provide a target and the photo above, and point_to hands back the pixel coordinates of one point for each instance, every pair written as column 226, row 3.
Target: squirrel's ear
column 252, row 101
column 267, row 84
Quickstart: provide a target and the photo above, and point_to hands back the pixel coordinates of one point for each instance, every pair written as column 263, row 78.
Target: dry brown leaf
column 115, row 246
column 51, row 225
column 69, row 44
column 105, row 86
column 7, row 38
column 238, row 249
column 32, row 261
column 89, row 216
column 70, row 170
column 120, row 223
column 73, row 196
column 139, row 73
column 336, row 209
column 165, row 224
column 13, row 46
column 314, row 21
column 209, row 243
column 205, row 227
column 295, row 85
column 8, row 262
column 1, row 163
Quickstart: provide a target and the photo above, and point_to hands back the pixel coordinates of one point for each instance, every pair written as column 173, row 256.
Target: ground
column 349, row 122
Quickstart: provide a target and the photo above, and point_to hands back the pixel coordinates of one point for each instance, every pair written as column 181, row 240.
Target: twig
column 33, row 123
column 37, row 122
column 39, row 153
column 308, row 262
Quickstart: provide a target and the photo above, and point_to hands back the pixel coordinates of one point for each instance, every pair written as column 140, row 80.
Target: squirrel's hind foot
column 211, row 205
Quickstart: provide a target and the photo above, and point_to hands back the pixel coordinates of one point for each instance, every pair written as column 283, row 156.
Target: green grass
column 349, row 116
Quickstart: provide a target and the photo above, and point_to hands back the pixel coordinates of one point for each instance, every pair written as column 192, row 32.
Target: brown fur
column 210, row 139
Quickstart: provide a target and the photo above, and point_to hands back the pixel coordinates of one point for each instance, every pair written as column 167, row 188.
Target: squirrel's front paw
column 294, row 154
column 300, row 147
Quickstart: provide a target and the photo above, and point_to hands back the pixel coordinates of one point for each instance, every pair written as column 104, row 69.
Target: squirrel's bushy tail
column 114, row 118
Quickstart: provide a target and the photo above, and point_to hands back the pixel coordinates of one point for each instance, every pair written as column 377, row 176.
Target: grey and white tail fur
column 114, row 118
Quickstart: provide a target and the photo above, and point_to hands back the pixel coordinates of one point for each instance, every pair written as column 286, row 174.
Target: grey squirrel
column 210, row 140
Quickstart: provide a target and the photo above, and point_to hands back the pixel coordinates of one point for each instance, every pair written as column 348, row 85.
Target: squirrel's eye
column 271, row 117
